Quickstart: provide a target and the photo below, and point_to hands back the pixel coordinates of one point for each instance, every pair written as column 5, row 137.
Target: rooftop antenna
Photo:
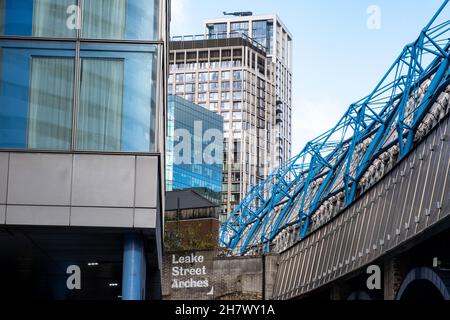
column 238, row 14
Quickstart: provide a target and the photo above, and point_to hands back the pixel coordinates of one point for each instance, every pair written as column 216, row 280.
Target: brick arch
column 438, row 278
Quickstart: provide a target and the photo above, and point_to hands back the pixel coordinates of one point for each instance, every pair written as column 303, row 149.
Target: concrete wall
column 56, row 189
column 228, row 278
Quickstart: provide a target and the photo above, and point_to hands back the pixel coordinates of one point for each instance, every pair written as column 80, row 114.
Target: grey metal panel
column 426, row 190
column 103, row 180
column 102, row 217
column 404, row 210
column 145, row 218
column 445, row 198
column 2, row 213
column 39, row 179
column 146, row 182
column 385, row 209
column 419, row 203
column 415, row 215
column 441, row 170
column 321, row 252
column 369, row 214
column 431, row 187
column 4, row 160
column 37, row 215
column 408, row 215
column 339, row 238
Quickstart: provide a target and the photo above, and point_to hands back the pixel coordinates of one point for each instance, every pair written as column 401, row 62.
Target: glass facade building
column 82, row 130
column 67, row 89
column 187, row 163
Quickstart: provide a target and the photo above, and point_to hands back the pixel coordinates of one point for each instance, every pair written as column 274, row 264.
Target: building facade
column 82, row 129
column 231, row 76
column 269, row 31
column 194, row 149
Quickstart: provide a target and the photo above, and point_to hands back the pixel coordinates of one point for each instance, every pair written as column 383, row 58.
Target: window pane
column 101, row 104
column 50, row 115
column 36, row 84
column 121, row 19
column 50, row 18
column 137, row 88
column 43, row 18
column 104, row 19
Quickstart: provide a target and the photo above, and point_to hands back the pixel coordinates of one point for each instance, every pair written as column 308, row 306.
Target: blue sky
column 337, row 58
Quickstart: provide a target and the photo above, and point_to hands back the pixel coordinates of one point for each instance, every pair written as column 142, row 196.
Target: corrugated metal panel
column 410, row 199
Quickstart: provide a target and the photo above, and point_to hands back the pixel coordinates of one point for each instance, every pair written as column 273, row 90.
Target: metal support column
column 134, row 268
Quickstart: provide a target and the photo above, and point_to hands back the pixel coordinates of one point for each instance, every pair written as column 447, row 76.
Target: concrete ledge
column 145, row 218
column 2, row 214
column 37, row 215
column 102, row 217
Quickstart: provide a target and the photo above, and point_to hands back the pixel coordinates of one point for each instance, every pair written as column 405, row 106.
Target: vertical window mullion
column 76, row 89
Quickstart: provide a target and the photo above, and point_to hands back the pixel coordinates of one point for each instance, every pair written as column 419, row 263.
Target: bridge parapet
column 413, row 198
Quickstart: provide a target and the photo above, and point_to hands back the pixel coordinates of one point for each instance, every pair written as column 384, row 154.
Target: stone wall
column 235, row 278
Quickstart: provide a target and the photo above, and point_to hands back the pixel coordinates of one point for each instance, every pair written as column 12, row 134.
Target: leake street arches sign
column 189, row 272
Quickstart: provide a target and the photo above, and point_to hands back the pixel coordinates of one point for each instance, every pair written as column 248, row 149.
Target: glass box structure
column 82, row 129
column 187, row 166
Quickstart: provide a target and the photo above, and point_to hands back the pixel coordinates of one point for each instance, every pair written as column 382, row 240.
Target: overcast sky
column 338, row 59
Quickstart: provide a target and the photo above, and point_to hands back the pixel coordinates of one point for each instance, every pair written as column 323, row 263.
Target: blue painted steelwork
column 332, row 166
column 134, row 268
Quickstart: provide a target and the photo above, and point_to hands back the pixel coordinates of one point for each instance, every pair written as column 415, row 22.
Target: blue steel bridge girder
column 336, row 161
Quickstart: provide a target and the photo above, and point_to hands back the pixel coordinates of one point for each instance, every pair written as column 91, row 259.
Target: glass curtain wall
column 51, row 95
column 114, row 106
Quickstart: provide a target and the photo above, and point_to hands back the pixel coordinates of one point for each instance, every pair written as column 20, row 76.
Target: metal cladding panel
column 145, row 218
column 39, row 179
column 2, row 214
column 4, row 162
column 105, row 217
column 38, row 215
column 412, row 198
column 146, row 188
column 95, row 190
column 103, row 181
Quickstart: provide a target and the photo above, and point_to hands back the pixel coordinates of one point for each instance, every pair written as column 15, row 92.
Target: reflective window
column 179, row 78
column 117, row 99
column 226, row 75
column 50, row 105
column 203, row 76
column 214, row 76
column 217, row 30
column 226, row 86
column 101, row 105
column 36, row 95
column 214, row 96
column 237, row 75
column 263, row 33
column 213, row 86
column 42, row 18
column 179, row 89
column 107, row 19
column 190, row 77
column 239, row 27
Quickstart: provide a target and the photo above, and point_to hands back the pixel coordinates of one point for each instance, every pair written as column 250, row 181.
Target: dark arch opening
column 421, row 290
column 425, row 284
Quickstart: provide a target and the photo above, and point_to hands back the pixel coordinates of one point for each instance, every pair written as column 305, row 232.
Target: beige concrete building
column 231, row 76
